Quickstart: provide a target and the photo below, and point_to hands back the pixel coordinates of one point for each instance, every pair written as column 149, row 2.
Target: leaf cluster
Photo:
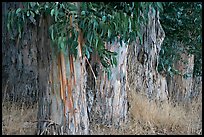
column 100, row 22
column 182, row 23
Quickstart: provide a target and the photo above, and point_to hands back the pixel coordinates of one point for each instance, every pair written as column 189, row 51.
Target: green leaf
column 104, row 18
column 18, row 10
column 37, row 12
column 159, row 4
column 52, row 33
column 9, row 20
column 84, row 6
column 32, row 4
column 91, row 39
column 87, row 53
column 72, row 7
column 32, row 14
column 23, row 18
column 104, row 63
column 109, row 33
column 115, row 26
column 95, row 24
column 56, row 13
column 52, row 12
column 83, row 13
column 130, row 25
column 12, row 18
column 8, row 27
column 109, row 74
column 28, row 13
column 96, row 42
column 100, row 46
column 101, row 32
column 62, row 45
column 115, row 61
column 153, row 11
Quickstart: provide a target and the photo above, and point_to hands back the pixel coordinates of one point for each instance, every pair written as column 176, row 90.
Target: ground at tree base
column 144, row 119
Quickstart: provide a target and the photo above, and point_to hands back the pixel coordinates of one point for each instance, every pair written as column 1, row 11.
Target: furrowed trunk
column 107, row 98
column 62, row 79
column 62, row 103
column 143, row 76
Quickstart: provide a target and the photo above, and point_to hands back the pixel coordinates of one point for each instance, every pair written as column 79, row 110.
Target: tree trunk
column 108, row 99
column 181, row 86
column 62, row 98
column 32, row 66
column 197, row 87
column 19, row 62
column 143, row 76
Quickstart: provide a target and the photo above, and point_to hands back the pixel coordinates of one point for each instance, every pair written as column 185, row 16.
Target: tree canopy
column 100, row 22
column 182, row 23
column 115, row 21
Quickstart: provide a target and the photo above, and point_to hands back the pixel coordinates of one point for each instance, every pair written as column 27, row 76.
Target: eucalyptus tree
column 70, row 39
column 181, row 55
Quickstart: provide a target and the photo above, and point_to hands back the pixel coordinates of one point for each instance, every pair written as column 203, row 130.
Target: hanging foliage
column 100, row 22
column 182, row 23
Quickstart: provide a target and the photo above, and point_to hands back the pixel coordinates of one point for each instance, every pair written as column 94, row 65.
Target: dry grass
column 144, row 118
column 165, row 118
column 18, row 120
column 158, row 119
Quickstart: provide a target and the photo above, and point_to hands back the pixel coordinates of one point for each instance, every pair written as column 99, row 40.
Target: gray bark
column 108, row 100
column 142, row 71
column 19, row 62
column 181, row 88
column 30, row 67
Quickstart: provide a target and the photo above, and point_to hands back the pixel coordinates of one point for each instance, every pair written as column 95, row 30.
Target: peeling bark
column 64, row 101
column 143, row 74
column 107, row 99
column 33, row 66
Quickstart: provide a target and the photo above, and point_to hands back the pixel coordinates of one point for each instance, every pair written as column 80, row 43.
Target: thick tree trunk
column 62, row 98
column 108, row 100
column 32, row 66
column 19, row 62
column 143, row 61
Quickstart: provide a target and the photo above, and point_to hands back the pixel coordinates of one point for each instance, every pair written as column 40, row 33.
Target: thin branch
column 91, row 68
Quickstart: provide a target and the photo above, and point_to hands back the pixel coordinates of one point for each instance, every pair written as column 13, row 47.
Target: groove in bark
column 144, row 77
column 107, row 98
column 64, row 102
column 19, row 63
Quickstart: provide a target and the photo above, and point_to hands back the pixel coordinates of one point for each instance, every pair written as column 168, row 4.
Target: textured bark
column 32, row 66
column 44, row 68
column 181, row 88
column 62, row 79
column 197, row 87
column 143, row 61
column 19, row 62
column 108, row 100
